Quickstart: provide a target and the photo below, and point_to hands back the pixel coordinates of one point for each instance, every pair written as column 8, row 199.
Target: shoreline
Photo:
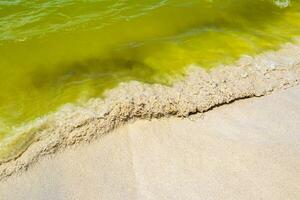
column 198, row 92
column 249, row 149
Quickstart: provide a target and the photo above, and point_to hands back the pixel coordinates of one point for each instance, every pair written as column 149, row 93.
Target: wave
column 198, row 92
column 58, row 52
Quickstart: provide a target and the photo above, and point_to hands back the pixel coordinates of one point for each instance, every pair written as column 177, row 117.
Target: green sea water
column 54, row 52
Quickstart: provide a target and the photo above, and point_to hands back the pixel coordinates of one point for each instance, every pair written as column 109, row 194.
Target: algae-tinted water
column 54, row 52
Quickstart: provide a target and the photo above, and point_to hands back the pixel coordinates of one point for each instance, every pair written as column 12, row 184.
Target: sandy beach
column 249, row 149
column 198, row 92
column 150, row 100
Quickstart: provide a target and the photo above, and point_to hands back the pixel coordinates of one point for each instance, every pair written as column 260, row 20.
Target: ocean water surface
column 54, row 52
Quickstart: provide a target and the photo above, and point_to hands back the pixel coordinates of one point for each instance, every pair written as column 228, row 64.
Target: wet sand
column 198, row 92
column 249, row 149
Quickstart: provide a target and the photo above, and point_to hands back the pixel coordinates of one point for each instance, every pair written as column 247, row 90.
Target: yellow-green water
column 54, row 52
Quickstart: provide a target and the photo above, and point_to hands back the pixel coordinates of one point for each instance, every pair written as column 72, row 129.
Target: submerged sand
column 249, row 149
column 198, row 92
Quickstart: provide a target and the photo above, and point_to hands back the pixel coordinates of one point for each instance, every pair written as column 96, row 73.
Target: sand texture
column 198, row 92
column 249, row 149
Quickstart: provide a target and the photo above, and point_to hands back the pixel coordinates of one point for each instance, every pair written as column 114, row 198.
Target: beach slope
column 249, row 149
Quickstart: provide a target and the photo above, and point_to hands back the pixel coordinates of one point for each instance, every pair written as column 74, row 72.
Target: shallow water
column 54, row 52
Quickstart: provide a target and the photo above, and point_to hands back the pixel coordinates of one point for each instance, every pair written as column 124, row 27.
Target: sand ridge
column 198, row 92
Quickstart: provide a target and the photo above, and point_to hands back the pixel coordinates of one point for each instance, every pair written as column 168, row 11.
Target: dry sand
column 198, row 92
column 249, row 149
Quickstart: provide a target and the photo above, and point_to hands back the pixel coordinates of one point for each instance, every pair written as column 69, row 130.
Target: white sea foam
column 282, row 3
